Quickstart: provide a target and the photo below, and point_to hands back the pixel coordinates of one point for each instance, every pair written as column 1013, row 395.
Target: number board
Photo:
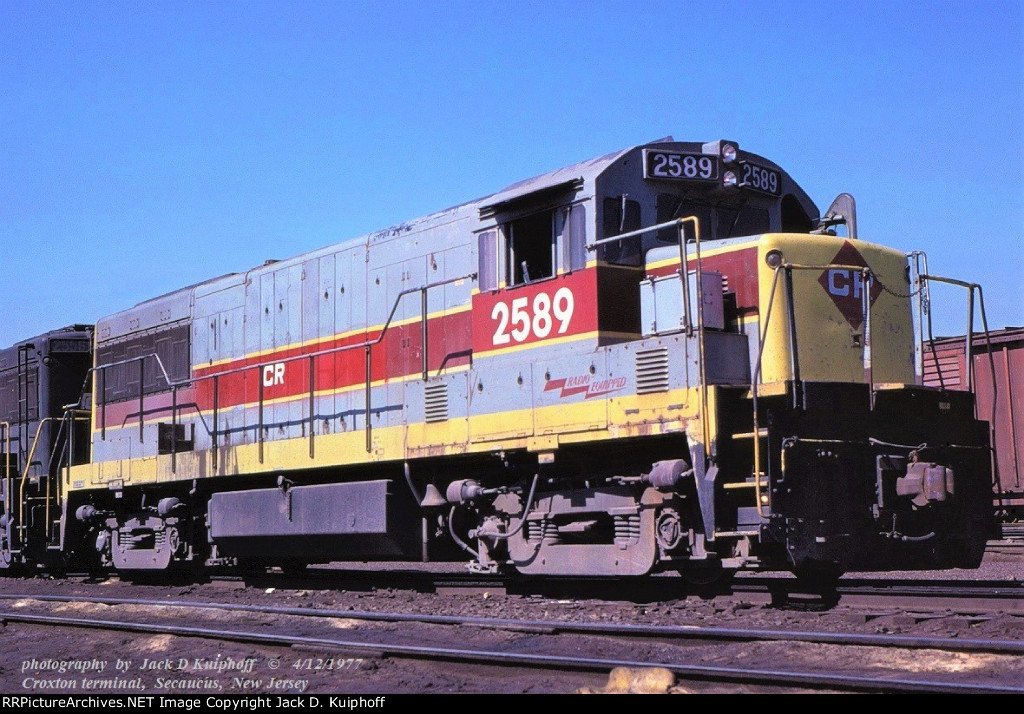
column 675, row 165
column 65, row 345
column 553, row 309
column 760, row 178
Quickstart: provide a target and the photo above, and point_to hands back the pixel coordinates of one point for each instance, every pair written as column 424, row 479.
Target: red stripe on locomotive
column 739, row 268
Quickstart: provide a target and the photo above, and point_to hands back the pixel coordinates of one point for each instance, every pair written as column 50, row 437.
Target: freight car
column 996, row 370
column 662, row 359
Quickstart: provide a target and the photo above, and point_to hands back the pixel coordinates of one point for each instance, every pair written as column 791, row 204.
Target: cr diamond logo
column 846, row 286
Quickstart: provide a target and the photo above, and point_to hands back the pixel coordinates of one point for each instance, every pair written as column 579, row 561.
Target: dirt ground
column 46, row 660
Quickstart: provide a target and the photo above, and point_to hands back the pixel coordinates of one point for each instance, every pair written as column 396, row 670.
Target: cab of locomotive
column 815, row 461
column 842, row 478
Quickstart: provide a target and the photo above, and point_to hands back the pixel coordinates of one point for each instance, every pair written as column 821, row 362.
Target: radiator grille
column 436, row 401
column 652, row 371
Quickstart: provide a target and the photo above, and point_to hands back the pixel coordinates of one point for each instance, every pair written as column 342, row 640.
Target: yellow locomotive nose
column 831, row 301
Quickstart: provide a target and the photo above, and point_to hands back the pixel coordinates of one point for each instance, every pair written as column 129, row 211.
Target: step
column 761, row 434
column 745, row 484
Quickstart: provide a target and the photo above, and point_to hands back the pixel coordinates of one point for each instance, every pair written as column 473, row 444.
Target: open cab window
column 533, row 247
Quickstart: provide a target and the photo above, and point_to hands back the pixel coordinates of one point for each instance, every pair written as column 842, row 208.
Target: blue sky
column 146, row 146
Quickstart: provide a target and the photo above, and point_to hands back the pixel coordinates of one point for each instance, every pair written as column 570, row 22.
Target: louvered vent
column 435, row 397
column 652, row 371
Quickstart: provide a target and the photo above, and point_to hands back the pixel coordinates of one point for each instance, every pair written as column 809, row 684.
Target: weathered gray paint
column 282, row 303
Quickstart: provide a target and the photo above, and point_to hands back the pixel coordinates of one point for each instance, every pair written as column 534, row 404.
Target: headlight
column 728, row 153
column 729, row 179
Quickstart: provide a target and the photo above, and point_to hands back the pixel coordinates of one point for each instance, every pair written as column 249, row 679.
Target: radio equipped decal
column 586, row 385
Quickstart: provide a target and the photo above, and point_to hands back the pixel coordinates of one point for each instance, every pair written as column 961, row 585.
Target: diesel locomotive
column 661, row 359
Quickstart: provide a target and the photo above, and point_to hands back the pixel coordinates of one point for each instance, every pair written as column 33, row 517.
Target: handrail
column 753, row 391
column 66, row 448
column 24, row 476
column 367, row 345
column 923, row 305
column 678, row 224
column 683, row 271
column 6, row 426
column 75, row 415
column 22, row 527
column 969, row 358
column 868, row 276
column 684, row 278
column 968, row 338
column 639, row 232
column 51, row 476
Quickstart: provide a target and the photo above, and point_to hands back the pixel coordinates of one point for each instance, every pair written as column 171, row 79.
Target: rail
column 787, row 268
column 52, row 493
column 8, row 483
column 926, row 278
column 175, row 385
column 867, row 277
column 503, row 658
column 24, row 476
column 683, row 271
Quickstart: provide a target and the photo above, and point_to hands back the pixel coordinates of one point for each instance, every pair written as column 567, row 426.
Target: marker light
column 773, row 259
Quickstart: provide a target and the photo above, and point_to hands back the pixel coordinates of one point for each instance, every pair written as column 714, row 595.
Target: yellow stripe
column 533, row 345
column 703, row 254
column 590, row 420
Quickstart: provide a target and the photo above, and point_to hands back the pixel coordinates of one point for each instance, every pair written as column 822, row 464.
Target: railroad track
column 547, row 626
column 963, row 596
column 1013, row 529
column 975, row 597
column 968, row 597
column 1006, row 546
column 678, row 663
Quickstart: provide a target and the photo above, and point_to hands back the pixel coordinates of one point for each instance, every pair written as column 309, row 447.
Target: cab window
column 718, row 221
column 621, row 215
column 531, row 248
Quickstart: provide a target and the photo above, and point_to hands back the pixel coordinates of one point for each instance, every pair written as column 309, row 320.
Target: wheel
column 707, row 575
column 8, row 565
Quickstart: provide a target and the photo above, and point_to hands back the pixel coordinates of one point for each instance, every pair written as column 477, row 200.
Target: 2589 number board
column 678, row 165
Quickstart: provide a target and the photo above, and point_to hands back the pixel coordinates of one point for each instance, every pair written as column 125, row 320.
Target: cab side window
column 620, row 215
column 531, row 248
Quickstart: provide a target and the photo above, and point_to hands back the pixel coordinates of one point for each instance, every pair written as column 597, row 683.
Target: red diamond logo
column 846, row 286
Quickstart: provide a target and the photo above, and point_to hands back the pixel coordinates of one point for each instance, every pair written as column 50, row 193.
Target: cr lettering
column 273, row 374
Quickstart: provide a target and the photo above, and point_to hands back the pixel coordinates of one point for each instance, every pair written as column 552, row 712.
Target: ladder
column 22, row 497
column 24, row 394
